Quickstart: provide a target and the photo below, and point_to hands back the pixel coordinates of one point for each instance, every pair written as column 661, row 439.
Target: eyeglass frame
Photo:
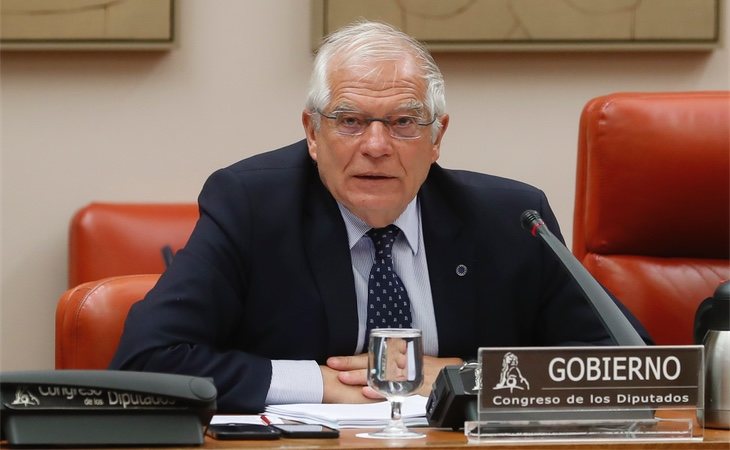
column 384, row 120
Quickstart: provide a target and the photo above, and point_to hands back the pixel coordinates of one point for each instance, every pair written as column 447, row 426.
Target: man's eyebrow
column 345, row 107
column 412, row 105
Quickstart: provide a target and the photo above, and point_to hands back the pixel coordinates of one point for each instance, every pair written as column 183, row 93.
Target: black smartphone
column 303, row 430
column 240, row 431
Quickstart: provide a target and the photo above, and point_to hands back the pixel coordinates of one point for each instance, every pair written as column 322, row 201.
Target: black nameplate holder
column 104, row 408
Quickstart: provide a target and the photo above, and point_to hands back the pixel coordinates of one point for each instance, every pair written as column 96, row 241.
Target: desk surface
column 441, row 439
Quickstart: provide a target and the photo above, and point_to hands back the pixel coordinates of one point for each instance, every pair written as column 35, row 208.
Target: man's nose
column 378, row 141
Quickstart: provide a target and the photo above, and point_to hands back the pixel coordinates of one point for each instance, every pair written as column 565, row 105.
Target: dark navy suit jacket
column 267, row 275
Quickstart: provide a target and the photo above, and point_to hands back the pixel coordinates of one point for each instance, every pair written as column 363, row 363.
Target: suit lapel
column 329, row 258
column 452, row 268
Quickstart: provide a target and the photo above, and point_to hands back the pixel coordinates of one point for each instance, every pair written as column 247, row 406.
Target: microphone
column 453, row 398
column 617, row 325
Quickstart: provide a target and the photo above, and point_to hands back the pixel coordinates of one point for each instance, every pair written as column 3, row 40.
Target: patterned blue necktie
column 388, row 303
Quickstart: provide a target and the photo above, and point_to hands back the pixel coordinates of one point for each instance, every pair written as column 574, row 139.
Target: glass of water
column 395, row 370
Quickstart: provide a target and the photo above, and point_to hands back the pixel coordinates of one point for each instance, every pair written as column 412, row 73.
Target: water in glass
column 395, row 370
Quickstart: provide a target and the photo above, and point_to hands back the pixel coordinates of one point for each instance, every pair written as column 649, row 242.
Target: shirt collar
column 408, row 222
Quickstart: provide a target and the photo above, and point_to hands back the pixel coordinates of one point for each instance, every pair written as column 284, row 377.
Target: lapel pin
column 461, row 270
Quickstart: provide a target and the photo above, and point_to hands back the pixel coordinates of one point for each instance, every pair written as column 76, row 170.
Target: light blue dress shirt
column 301, row 381
column 409, row 262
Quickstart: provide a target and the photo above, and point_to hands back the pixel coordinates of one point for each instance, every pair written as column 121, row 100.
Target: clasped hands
column 345, row 378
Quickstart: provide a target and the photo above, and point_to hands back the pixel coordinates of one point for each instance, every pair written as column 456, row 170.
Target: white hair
column 374, row 41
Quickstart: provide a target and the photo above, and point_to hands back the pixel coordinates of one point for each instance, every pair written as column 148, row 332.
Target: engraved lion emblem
column 510, row 377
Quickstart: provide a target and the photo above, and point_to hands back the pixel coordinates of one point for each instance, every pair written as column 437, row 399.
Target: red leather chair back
column 652, row 203
column 108, row 239
column 90, row 319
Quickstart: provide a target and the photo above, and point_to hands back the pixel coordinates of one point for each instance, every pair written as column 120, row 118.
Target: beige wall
column 78, row 127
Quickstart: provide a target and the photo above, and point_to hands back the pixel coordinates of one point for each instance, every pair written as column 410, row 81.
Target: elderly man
column 272, row 295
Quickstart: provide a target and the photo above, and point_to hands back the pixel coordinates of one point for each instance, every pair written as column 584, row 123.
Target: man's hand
column 349, row 391
column 431, row 368
column 352, row 371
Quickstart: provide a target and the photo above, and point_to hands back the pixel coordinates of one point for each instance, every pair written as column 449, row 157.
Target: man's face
column 374, row 175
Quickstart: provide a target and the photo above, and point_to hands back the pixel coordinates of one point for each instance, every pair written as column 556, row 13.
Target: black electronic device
column 104, row 408
column 304, row 430
column 453, row 397
column 242, row 431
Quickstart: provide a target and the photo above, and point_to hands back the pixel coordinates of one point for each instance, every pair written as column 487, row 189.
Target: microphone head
column 530, row 218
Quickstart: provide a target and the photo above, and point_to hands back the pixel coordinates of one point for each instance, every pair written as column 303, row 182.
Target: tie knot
column 383, row 238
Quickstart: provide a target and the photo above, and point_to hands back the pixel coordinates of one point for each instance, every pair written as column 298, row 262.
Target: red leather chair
column 652, row 203
column 108, row 239
column 90, row 319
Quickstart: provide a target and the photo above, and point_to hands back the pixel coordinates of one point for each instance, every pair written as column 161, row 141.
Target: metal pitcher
column 712, row 327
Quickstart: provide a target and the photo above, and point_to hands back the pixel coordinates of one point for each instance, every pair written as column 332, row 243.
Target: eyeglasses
column 399, row 126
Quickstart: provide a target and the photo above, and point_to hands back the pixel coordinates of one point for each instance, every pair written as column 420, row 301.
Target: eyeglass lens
column 399, row 126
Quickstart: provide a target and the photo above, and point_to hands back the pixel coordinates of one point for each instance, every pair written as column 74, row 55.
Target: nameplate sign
column 578, row 378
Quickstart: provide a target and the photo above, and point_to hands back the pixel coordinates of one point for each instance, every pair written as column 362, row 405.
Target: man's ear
column 437, row 142
column 310, row 131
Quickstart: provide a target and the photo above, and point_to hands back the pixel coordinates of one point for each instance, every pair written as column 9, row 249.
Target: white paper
column 361, row 415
